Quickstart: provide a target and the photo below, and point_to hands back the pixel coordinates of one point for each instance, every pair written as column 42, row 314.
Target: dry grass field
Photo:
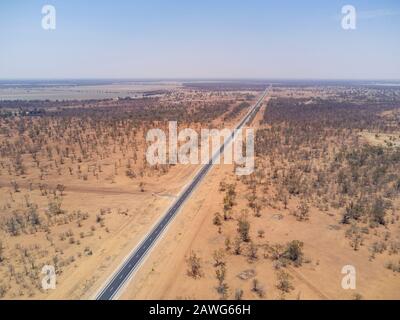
column 76, row 192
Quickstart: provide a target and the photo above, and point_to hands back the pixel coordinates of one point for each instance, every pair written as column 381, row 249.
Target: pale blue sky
column 200, row 39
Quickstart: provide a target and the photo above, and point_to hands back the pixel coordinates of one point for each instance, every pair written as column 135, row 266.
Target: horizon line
column 197, row 79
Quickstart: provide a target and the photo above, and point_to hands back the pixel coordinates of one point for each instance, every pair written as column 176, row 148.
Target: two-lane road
column 120, row 277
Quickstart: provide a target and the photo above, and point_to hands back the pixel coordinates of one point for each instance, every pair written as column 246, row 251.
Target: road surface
column 124, row 272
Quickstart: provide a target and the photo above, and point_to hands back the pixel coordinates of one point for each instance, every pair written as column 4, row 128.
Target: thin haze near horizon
column 200, row 39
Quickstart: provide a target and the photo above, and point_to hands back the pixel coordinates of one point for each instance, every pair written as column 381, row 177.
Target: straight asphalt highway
column 113, row 286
